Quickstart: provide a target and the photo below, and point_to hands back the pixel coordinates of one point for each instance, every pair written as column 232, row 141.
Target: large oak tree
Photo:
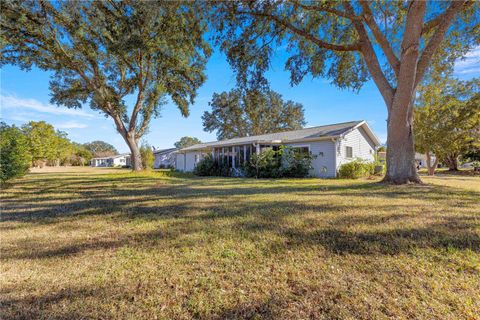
column 240, row 113
column 110, row 52
column 392, row 42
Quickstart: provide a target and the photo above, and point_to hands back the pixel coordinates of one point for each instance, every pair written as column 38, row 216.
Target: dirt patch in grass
column 90, row 243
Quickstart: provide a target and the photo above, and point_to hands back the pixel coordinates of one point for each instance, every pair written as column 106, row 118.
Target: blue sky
column 25, row 96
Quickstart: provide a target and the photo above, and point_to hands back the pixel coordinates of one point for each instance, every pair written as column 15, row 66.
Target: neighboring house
column 112, row 161
column 421, row 159
column 164, row 158
column 331, row 145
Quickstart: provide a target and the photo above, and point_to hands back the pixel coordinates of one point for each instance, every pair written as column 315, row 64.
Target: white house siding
column 421, row 159
column 186, row 162
column 121, row 161
column 362, row 147
column 111, row 161
column 180, row 162
column 164, row 160
column 324, row 162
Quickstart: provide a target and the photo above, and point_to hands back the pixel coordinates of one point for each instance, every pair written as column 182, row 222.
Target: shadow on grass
column 185, row 203
column 34, row 306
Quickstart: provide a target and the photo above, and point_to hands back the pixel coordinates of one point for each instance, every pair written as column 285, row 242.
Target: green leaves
column 239, row 114
column 148, row 158
column 447, row 117
column 101, row 52
column 186, row 142
column 335, row 39
column 100, row 148
column 14, row 156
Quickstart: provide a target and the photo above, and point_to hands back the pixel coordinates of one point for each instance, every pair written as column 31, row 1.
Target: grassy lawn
column 93, row 243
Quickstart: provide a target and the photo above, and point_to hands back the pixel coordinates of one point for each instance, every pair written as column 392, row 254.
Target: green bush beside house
column 281, row 163
column 356, row 169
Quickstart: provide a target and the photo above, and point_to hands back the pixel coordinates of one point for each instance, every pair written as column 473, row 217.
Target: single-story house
column 112, row 161
column 331, row 145
column 164, row 158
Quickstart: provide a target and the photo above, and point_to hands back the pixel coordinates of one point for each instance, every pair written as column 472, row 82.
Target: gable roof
column 164, row 151
column 330, row 131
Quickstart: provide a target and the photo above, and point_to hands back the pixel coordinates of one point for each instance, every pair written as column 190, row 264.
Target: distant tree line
column 38, row 144
column 447, row 119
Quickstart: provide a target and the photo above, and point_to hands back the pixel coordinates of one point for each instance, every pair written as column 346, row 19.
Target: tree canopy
column 447, row 118
column 186, row 142
column 100, row 148
column 14, row 156
column 391, row 42
column 241, row 113
column 44, row 143
column 148, row 158
column 105, row 52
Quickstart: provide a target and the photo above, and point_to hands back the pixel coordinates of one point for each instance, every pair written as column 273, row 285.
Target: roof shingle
column 331, row 130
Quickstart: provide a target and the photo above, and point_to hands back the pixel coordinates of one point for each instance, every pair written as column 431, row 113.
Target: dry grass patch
column 112, row 244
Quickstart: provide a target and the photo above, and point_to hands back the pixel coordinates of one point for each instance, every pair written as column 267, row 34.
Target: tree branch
column 328, row 9
column 371, row 60
column 118, row 121
column 143, row 127
column 437, row 38
column 306, row 35
column 380, row 37
column 141, row 86
column 431, row 24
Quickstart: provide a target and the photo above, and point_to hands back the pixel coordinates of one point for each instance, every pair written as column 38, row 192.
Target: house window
column 349, row 152
column 302, row 150
column 248, row 152
column 236, row 153
column 241, row 155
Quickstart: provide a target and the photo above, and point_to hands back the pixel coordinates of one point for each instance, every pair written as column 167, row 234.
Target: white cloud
column 12, row 102
column 70, row 125
column 469, row 64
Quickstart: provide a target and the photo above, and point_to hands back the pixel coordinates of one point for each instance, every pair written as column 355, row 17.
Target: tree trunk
column 136, row 156
column 431, row 168
column 129, row 137
column 401, row 166
column 452, row 162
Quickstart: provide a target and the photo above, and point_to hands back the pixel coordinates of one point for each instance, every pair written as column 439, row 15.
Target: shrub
column 270, row 163
column 294, row 164
column 205, row 167
column 283, row 163
column 355, row 169
column 209, row 167
column 148, row 158
column 14, row 156
column 266, row 164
